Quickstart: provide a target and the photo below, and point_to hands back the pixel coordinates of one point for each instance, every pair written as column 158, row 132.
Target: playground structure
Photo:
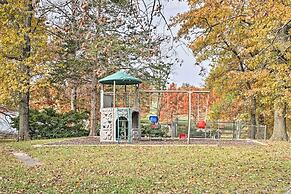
column 120, row 111
column 200, row 115
column 200, row 126
column 120, row 114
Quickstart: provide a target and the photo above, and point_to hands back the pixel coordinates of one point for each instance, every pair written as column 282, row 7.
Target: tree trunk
column 280, row 110
column 74, row 98
column 24, row 117
column 24, row 101
column 280, row 129
column 93, row 112
column 253, row 119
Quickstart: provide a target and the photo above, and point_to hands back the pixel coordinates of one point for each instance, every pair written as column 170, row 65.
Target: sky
column 188, row 72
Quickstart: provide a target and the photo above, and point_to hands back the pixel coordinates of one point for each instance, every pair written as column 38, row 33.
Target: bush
column 147, row 130
column 49, row 124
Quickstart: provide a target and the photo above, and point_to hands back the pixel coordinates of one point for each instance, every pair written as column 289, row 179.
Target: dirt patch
column 162, row 141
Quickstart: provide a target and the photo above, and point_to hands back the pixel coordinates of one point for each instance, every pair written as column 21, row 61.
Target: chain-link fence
column 244, row 130
column 229, row 130
column 234, row 130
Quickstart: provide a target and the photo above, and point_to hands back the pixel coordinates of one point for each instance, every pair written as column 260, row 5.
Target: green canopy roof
column 120, row 78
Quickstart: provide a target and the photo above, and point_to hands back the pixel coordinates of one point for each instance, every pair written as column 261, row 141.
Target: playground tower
column 120, row 112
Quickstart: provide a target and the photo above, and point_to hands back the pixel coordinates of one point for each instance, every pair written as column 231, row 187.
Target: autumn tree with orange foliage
column 175, row 105
column 248, row 44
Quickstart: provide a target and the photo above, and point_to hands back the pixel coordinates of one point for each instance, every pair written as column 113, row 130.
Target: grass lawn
column 138, row 169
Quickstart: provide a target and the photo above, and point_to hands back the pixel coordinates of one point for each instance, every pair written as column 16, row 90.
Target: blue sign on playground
column 154, row 119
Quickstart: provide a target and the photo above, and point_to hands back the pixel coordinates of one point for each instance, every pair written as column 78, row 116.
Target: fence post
column 238, row 130
column 265, row 133
column 189, row 115
column 233, row 130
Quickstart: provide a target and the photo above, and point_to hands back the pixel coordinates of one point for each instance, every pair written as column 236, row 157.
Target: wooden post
column 114, row 94
column 189, row 115
column 207, row 104
column 102, row 97
column 126, row 98
column 113, row 114
column 137, row 96
column 198, row 108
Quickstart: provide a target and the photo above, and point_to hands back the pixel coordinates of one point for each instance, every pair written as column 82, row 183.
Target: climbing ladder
column 126, row 136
